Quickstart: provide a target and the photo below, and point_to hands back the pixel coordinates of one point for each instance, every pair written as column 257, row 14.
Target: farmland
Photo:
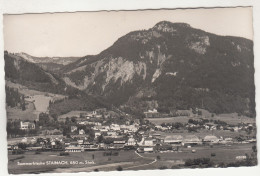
column 88, row 161
column 36, row 102
column 232, row 118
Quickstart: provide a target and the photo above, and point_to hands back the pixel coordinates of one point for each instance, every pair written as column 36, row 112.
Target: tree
column 43, row 119
column 100, row 139
column 66, row 131
column 73, row 119
column 22, row 146
column 119, row 168
column 254, row 148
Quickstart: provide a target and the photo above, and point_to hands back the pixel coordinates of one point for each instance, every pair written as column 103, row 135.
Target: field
column 128, row 160
column 202, row 133
column 225, row 154
column 37, row 102
column 71, row 114
column 28, row 114
column 232, row 119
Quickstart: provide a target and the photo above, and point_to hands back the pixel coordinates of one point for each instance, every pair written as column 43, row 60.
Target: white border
column 40, row 6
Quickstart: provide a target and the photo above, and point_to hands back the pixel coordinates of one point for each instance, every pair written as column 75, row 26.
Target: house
column 24, row 140
column 101, row 110
column 236, row 129
column 213, row 127
column 132, row 128
column 228, row 141
column 119, row 144
column 80, row 141
column 81, row 132
column 191, row 140
column 148, row 142
column 148, row 149
column 104, row 130
column 74, row 149
column 211, row 139
column 131, row 142
column 33, row 140
column 206, row 127
column 183, row 113
column 158, row 126
column 115, row 127
column 97, row 134
column 112, row 133
column 174, row 139
column 26, row 125
column 73, row 128
column 152, row 113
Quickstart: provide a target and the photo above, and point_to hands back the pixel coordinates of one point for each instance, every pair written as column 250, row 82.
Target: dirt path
column 154, row 161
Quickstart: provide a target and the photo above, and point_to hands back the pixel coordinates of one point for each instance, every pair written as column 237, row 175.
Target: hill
column 25, row 73
column 172, row 66
column 53, row 64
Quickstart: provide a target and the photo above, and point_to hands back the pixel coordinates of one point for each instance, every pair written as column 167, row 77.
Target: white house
column 174, row 139
column 97, row 134
column 148, row 142
column 74, row 149
column 131, row 142
column 73, row 128
column 211, row 139
column 26, row 125
column 81, row 132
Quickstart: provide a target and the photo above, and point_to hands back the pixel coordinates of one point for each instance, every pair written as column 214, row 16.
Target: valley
column 171, row 96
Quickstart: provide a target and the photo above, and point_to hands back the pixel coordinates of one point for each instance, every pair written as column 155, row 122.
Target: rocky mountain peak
column 166, row 26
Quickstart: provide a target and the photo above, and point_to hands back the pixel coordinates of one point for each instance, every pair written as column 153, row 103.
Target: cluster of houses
column 211, row 127
column 150, row 142
column 124, row 136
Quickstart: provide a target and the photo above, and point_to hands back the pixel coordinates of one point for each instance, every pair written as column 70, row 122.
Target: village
column 98, row 130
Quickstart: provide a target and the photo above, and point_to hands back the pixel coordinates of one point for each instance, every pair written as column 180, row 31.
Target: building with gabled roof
column 191, row 140
column 174, row 139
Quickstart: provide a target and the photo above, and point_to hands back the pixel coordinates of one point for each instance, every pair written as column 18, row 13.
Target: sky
column 88, row 33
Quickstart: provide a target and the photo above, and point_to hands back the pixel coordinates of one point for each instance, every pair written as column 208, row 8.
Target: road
column 154, row 161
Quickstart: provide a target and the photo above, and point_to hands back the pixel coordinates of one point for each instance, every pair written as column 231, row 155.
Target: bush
column 201, row 162
column 119, row 168
column 158, row 157
column 213, row 154
column 96, row 170
column 64, row 154
column 163, row 167
column 175, row 167
column 37, row 152
column 115, row 153
column 17, row 152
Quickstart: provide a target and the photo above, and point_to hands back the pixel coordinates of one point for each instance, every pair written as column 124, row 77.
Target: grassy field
column 128, row 160
column 129, row 157
column 225, row 154
column 233, row 119
column 28, row 114
column 37, row 103
column 202, row 133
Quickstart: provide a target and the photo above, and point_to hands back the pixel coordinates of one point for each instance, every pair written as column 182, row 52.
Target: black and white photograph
column 130, row 90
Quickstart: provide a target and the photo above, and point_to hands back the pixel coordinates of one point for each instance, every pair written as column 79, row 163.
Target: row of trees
column 14, row 98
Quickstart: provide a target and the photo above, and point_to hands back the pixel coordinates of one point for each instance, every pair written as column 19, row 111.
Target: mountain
column 48, row 63
column 29, row 74
column 171, row 66
column 21, row 71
